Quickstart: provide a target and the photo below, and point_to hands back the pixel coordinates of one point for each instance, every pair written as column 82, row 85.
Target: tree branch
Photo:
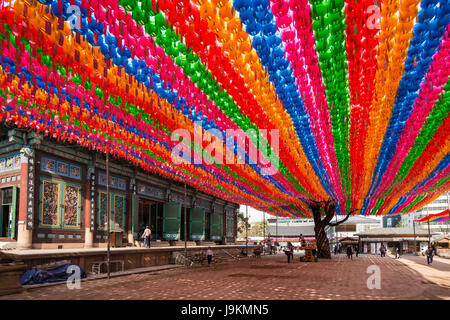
column 329, row 209
column 343, row 220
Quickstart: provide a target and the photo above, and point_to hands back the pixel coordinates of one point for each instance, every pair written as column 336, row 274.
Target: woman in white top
column 147, row 235
column 209, row 255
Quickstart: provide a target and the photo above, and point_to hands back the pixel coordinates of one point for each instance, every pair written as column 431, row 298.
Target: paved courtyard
column 270, row 277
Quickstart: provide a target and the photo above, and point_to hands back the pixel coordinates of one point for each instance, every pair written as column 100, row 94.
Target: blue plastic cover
column 52, row 274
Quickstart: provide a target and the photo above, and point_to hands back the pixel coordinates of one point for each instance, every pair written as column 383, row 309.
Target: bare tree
column 323, row 212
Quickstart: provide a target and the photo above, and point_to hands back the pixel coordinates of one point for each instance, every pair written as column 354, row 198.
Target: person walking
column 397, row 253
column 433, row 247
column 335, row 249
column 147, row 235
column 289, row 251
column 140, row 235
column 349, row 252
column 209, row 255
column 429, row 254
column 302, row 241
column 382, row 251
column 356, row 251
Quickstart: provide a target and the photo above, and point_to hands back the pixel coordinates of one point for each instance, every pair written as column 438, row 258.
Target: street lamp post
column 264, row 228
column 246, row 230
column 276, row 239
column 448, row 204
column 336, row 234
column 108, row 254
column 276, row 227
column 414, row 229
column 185, row 229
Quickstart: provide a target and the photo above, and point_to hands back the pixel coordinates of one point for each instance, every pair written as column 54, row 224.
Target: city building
column 53, row 195
column 344, row 233
column 406, row 220
column 403, row 238
column 355, row 224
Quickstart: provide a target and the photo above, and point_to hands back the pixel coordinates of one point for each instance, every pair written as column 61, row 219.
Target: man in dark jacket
column 349, row 252
column 429, row 254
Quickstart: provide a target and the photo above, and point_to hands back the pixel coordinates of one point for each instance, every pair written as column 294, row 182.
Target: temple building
column 53, row 195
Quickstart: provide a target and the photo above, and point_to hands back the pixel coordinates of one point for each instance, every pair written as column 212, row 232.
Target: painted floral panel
column 102, row 179
column 121, row 184
column 113, row 182
column 71, row 203
column 9, row 163
column 63, row 168
column 74, row 172
column 50, row 196
column 48, row 165
column 17, row 162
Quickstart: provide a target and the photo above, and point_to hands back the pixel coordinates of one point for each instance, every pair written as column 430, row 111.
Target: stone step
column 160, row 244
column 188, row 243
column 207, row 243
column 8, row 245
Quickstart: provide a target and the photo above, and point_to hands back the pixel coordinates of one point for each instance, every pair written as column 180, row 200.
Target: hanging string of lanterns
column 362, row 112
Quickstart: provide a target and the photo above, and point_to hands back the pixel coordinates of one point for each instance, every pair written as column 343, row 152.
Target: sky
column 255, row 215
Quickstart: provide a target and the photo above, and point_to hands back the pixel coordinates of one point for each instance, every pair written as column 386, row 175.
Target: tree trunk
column 323, row 245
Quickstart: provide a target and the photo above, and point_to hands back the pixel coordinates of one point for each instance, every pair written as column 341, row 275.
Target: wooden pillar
column 134, row 217
column 235, row 225
column 89, row 211
column 224, row 224
column 27, row 212
column 130, row 211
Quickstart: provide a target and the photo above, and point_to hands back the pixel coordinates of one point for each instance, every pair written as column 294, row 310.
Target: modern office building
column 440, row 204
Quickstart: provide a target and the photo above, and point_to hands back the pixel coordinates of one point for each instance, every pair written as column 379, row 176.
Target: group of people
column 289, row 250
column 350, row 251
column 337, row 249
column 145, row 235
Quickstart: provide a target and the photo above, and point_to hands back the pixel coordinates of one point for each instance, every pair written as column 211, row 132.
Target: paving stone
column 268, row 278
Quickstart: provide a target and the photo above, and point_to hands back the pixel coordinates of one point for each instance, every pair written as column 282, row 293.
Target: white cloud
column 255, row 215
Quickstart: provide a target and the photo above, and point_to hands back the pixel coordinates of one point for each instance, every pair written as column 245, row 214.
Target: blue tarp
column 52, row 274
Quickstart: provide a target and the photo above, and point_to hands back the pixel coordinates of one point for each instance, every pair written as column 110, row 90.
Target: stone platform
column 133, row 257
column 9, row 278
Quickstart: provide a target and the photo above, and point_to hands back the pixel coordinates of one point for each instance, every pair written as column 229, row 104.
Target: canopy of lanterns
column 353, row 94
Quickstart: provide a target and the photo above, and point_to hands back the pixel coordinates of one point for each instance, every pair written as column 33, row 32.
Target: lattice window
column 71, row 205
column 117, row 209
column 50, row 204
column 59, row 204
column 119, row 212
column 102, row 211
